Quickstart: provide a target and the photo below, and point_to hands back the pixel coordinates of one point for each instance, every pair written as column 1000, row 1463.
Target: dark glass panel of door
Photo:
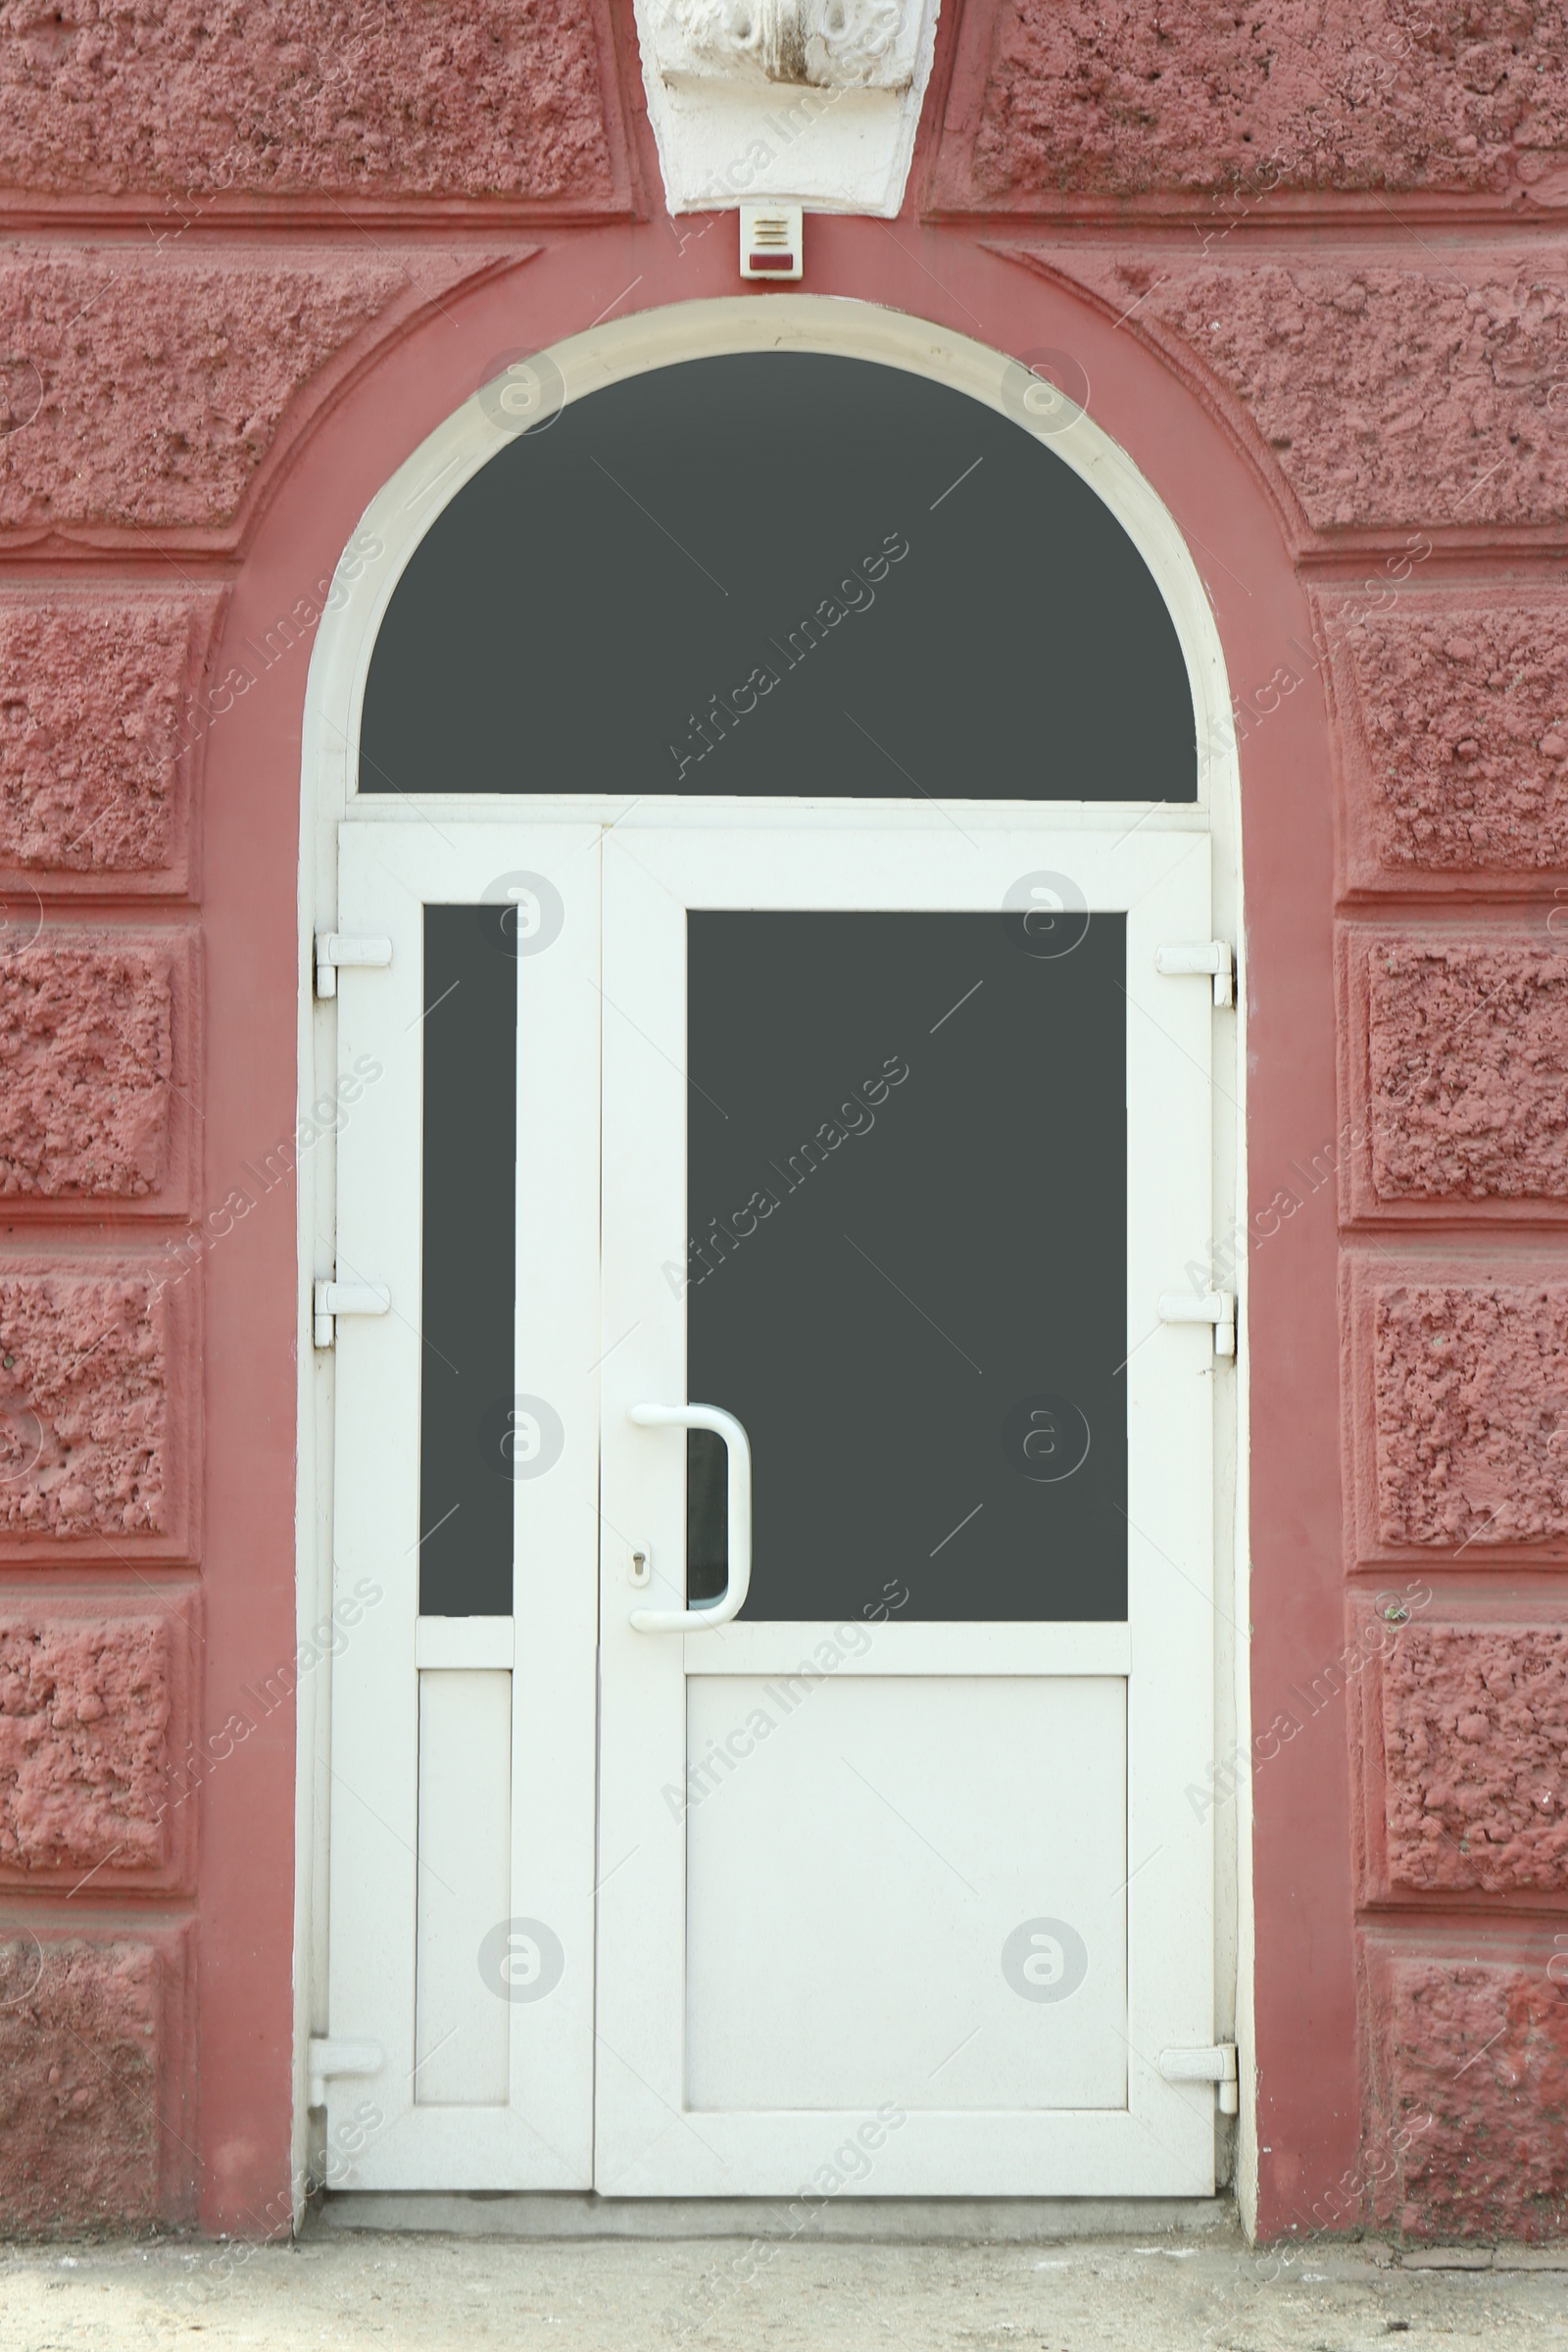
column 908, row 1201
column 469, row 1433
column 779, row 572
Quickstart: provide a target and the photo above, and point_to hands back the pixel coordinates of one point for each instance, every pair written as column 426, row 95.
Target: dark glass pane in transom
column 779, row 574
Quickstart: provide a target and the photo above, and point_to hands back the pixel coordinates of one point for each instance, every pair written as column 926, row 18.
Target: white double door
column 888, row 1885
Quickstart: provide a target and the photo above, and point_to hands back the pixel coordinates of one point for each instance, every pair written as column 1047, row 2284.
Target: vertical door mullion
column 555, row 1682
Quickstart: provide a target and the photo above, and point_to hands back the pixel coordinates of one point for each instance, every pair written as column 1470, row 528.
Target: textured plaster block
column 92, row 691
column 1470, row 1409
column 1385, row 396
column 1470, row 2098
column 87, row 1705
column 161, row 381
column 92, row 1364
column 1452, row 726
column 1466, row 1070
column 482, row 98
column 87, row 1066
column 1475, row 1758
column 1113, row 98
column 85, row 2037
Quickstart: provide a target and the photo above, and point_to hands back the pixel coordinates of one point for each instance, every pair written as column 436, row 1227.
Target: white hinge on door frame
column 335, row 949
column 1216, row 2065
column 1217, row 1308
column 326, row 2057
column 329, row 1299
column 1209, row 955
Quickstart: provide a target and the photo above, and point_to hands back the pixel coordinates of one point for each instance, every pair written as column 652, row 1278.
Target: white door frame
column 391, row 528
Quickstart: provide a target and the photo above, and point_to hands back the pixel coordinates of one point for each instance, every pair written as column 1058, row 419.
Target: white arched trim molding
column 390, row 529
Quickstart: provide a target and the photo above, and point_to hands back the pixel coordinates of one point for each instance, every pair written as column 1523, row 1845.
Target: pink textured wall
column 93, row 2074
column 1084, row 98
column 489, row 97
column 1466, row 1044
column 1469, row 2084
column 1452, row 720
column 87, row 1049
column 91, row 1705
column 1311, row 264
column 93, row 685
column 1469, row 1384
column 1475, row 1759
column 1383, row 393
column 159, row 381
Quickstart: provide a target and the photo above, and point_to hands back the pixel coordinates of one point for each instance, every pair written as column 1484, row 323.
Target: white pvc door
column 899, row 1890
column 466, row 1544
column 896, row 1884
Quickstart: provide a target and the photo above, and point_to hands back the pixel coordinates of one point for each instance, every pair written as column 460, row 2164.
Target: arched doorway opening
column 778, row 848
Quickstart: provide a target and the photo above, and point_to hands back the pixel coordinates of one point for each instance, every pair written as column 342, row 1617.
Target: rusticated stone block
column 85, row 1706
column 489, row 97
column 1456, row 719
column 1470, row 1396
column 1475, row 1758
column 1471, row 2065
column 164, row 380
column 92, row 691
column 1108, row 97
column 87, row 1069
column 1392, row 396
column 85, row 1442
column 1385, row 396
column 82, row 2033
column 1467, row 1073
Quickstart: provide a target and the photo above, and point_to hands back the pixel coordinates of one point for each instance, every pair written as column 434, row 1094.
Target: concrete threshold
column 894, row 2221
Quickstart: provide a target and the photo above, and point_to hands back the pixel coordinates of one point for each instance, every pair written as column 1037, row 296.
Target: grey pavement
column 1186, row 2292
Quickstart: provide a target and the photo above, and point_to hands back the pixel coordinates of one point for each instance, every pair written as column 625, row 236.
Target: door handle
column 737, row 1446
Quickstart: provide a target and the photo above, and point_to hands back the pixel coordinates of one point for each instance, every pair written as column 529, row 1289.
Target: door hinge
column 1204, row 1306
column 335, row 949
column 327, row 2056
column 1208, row 955
column 329, row 1299
column 1216, row 2066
